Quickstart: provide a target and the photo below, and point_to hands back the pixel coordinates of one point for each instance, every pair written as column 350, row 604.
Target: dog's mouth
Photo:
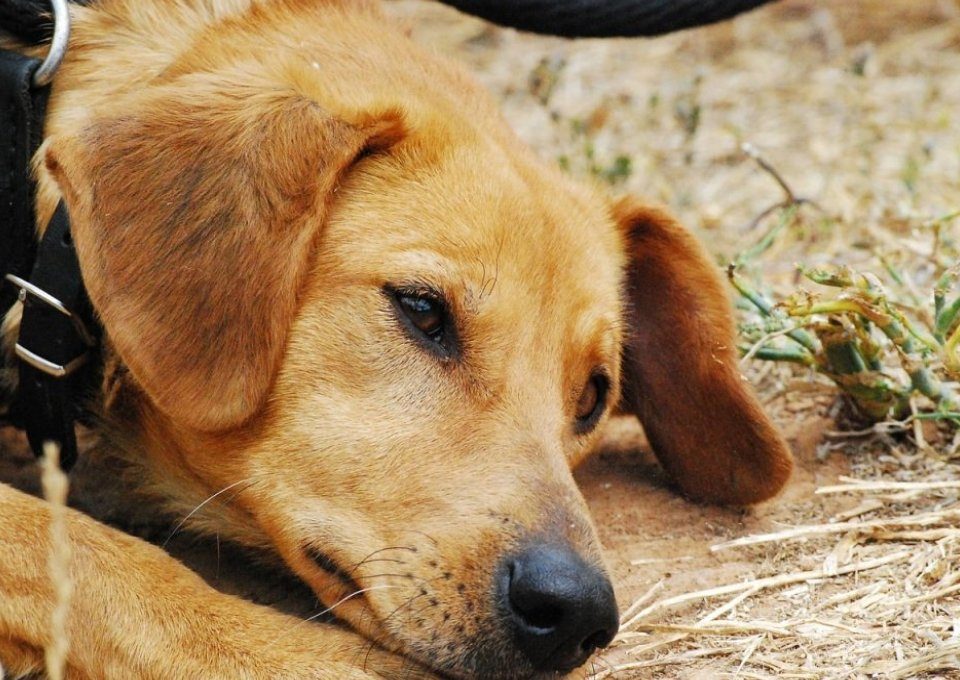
column 342, row 586
column 329, row 566
column 539, row 609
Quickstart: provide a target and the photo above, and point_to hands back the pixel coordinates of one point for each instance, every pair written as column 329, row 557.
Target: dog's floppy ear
column 680, row 374
column 194, row 215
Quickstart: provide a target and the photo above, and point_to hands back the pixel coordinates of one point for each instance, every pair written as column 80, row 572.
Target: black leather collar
column 22, row 110
column 57, row 346
column 58, row 338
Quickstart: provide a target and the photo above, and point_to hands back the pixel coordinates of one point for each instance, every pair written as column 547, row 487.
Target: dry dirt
column 856, row 102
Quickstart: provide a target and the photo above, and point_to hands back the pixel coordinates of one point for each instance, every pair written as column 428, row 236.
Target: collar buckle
column 47, row 366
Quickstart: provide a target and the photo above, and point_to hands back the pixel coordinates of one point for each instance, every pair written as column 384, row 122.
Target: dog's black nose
column 560, row 607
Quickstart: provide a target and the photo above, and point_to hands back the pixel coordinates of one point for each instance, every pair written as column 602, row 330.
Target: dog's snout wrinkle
column 560, row 607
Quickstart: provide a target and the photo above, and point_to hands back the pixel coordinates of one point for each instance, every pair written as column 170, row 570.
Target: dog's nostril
column 597, row 640
column 561, row 608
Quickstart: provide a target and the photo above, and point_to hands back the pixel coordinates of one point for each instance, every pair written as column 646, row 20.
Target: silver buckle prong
column 37, row 292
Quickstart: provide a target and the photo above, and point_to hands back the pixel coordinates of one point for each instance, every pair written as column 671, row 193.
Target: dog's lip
column 328, row 565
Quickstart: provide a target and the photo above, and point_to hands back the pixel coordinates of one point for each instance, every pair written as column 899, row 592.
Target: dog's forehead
column 480, row 221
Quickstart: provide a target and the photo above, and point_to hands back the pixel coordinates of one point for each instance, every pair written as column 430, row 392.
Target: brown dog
column 333, row 282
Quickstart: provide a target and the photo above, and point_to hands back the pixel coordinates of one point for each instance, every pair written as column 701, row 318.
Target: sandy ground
column 856, row 102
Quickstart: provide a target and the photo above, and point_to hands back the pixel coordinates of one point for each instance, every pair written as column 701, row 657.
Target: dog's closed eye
column 425, row 315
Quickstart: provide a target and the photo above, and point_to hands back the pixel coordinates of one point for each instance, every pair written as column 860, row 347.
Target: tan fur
column 243, row 179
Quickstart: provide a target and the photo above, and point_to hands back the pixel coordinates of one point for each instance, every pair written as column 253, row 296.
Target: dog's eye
column 424, row 314
column 592, row 401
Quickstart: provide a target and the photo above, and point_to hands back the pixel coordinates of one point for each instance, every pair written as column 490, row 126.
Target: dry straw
column 55, row 489
column 882, row 604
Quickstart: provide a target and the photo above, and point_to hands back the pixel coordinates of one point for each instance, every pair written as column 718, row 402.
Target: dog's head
column 388, row 333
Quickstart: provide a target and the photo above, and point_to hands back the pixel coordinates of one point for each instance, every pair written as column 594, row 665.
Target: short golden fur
column 244, row 177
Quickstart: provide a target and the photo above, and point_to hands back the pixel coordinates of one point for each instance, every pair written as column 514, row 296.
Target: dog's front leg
column 138, row 613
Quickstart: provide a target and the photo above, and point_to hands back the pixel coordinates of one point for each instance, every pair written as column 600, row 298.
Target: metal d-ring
column 58, row 45
column 38, row 362
column 27, row 288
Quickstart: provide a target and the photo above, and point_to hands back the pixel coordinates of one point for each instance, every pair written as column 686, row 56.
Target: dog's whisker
column 379, row 559
column 387, row 635
column 208, row 500
column 406, row 604
column 327, row 610
column 389, row 575
column 384, row 622
column 382, row 550
column 409, row 671
column 413, row 613
column 345, row 598
column 405, row 575
column 418, row 580
column 374, row 642
column 426, row 536
column 379, row 639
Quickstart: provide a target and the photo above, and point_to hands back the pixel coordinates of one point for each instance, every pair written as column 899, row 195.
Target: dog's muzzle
column 560, row 608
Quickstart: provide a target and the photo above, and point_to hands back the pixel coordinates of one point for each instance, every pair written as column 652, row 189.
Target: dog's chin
column 448, row 656
column 484, row 655
column 490, row 656
column 486, row 651
column 471, row 661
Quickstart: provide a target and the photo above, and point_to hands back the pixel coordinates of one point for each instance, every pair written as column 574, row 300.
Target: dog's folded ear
column 680, row 374
column 195, row 214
